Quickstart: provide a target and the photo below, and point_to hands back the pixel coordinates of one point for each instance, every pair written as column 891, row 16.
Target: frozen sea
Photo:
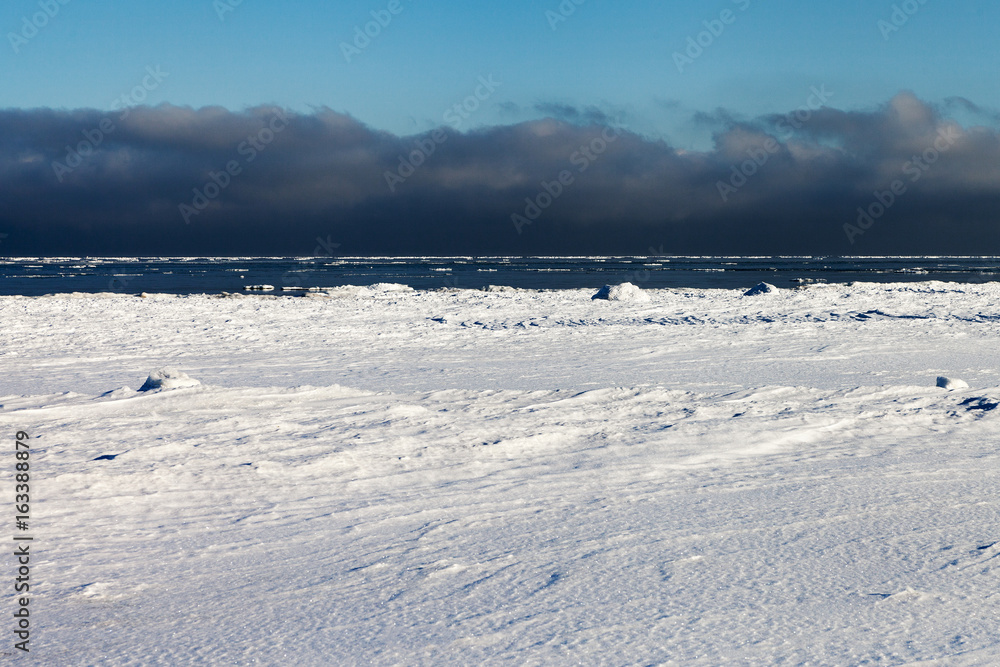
column 211, row 275
column 382, row 475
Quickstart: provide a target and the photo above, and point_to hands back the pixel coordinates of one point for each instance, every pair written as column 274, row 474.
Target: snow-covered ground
column 382, row 476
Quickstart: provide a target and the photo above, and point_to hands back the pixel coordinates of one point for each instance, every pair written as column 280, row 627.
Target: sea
column 35, row 276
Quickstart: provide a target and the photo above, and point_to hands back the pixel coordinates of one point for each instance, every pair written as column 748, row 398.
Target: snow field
column 384, row 477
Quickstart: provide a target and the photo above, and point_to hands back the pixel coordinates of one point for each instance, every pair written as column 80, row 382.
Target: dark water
column 35, row 276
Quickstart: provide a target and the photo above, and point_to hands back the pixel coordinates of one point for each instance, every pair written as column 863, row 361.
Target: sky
column 690, row 89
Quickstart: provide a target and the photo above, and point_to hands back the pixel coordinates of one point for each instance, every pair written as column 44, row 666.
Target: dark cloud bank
column 271, row 182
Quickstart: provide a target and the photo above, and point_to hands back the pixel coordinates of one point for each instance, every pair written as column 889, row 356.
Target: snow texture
column 393, row 477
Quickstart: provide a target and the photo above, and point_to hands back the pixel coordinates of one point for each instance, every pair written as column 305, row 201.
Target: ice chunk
column 168, row 378
column 623, row 292
column 760, row 288
column 952, row 383
column 390, row 287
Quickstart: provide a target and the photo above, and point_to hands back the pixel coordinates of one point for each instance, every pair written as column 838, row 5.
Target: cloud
column 715, row 119
column 572, row 114
column 991, row 116
column 327, row 174
column 667, row 104
column 509, row 108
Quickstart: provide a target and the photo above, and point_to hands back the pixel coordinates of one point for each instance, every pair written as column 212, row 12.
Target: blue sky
column 616, row 56
column 904, row 158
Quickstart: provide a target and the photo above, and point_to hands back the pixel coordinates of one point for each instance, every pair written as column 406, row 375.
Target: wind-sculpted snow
column 703, row 479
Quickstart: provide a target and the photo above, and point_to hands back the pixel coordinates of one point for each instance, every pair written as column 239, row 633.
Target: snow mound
column 760, row 288
column 952, row 383
column 390, row 287
column 168, row 378
column 500, row 289
column 344, row 291
column 623, row 292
